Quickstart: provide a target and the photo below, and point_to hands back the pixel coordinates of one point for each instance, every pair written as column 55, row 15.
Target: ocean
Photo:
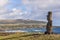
column 55, row 30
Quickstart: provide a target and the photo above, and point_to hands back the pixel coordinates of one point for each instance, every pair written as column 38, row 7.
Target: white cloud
column 14, row 12
column 3, row 2
column 38, row 8
column 3, row 10
column 43, row 4
column 56, row 16
column 29, row 9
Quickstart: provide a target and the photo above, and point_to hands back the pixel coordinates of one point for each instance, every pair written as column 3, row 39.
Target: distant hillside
column 20, row 21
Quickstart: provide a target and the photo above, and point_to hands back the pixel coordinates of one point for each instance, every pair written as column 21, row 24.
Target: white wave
column 37, row 30
column 15, row 31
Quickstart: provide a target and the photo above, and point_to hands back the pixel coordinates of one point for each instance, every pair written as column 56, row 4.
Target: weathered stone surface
column 49, row 24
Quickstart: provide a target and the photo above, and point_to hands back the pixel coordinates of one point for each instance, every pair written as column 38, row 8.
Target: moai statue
column 49, row 24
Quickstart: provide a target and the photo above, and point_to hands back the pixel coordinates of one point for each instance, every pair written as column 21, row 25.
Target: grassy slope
column 30, row 36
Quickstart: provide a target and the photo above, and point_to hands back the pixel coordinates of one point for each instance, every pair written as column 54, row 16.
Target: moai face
column 49, row 16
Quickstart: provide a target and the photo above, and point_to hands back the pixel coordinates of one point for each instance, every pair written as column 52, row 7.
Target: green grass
column 30, row 36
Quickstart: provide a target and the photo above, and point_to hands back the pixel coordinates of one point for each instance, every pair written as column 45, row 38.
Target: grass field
column 30, row 36
column 25, row 36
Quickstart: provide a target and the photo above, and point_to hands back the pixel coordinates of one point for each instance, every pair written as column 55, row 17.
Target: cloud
column 56, row 15
column 33, row 9
column 41, row 3
column 29, row 9
column 3, row 10
column 3, row 2
column 14, row 14
column 39, row 7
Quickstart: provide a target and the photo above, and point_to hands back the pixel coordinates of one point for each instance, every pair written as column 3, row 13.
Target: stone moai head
column 49, row 13
column 49, row 16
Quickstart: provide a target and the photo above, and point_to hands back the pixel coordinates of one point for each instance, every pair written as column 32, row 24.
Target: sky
column 30, row 9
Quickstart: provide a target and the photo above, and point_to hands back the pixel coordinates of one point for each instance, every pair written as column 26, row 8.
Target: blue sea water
column 55, row 30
